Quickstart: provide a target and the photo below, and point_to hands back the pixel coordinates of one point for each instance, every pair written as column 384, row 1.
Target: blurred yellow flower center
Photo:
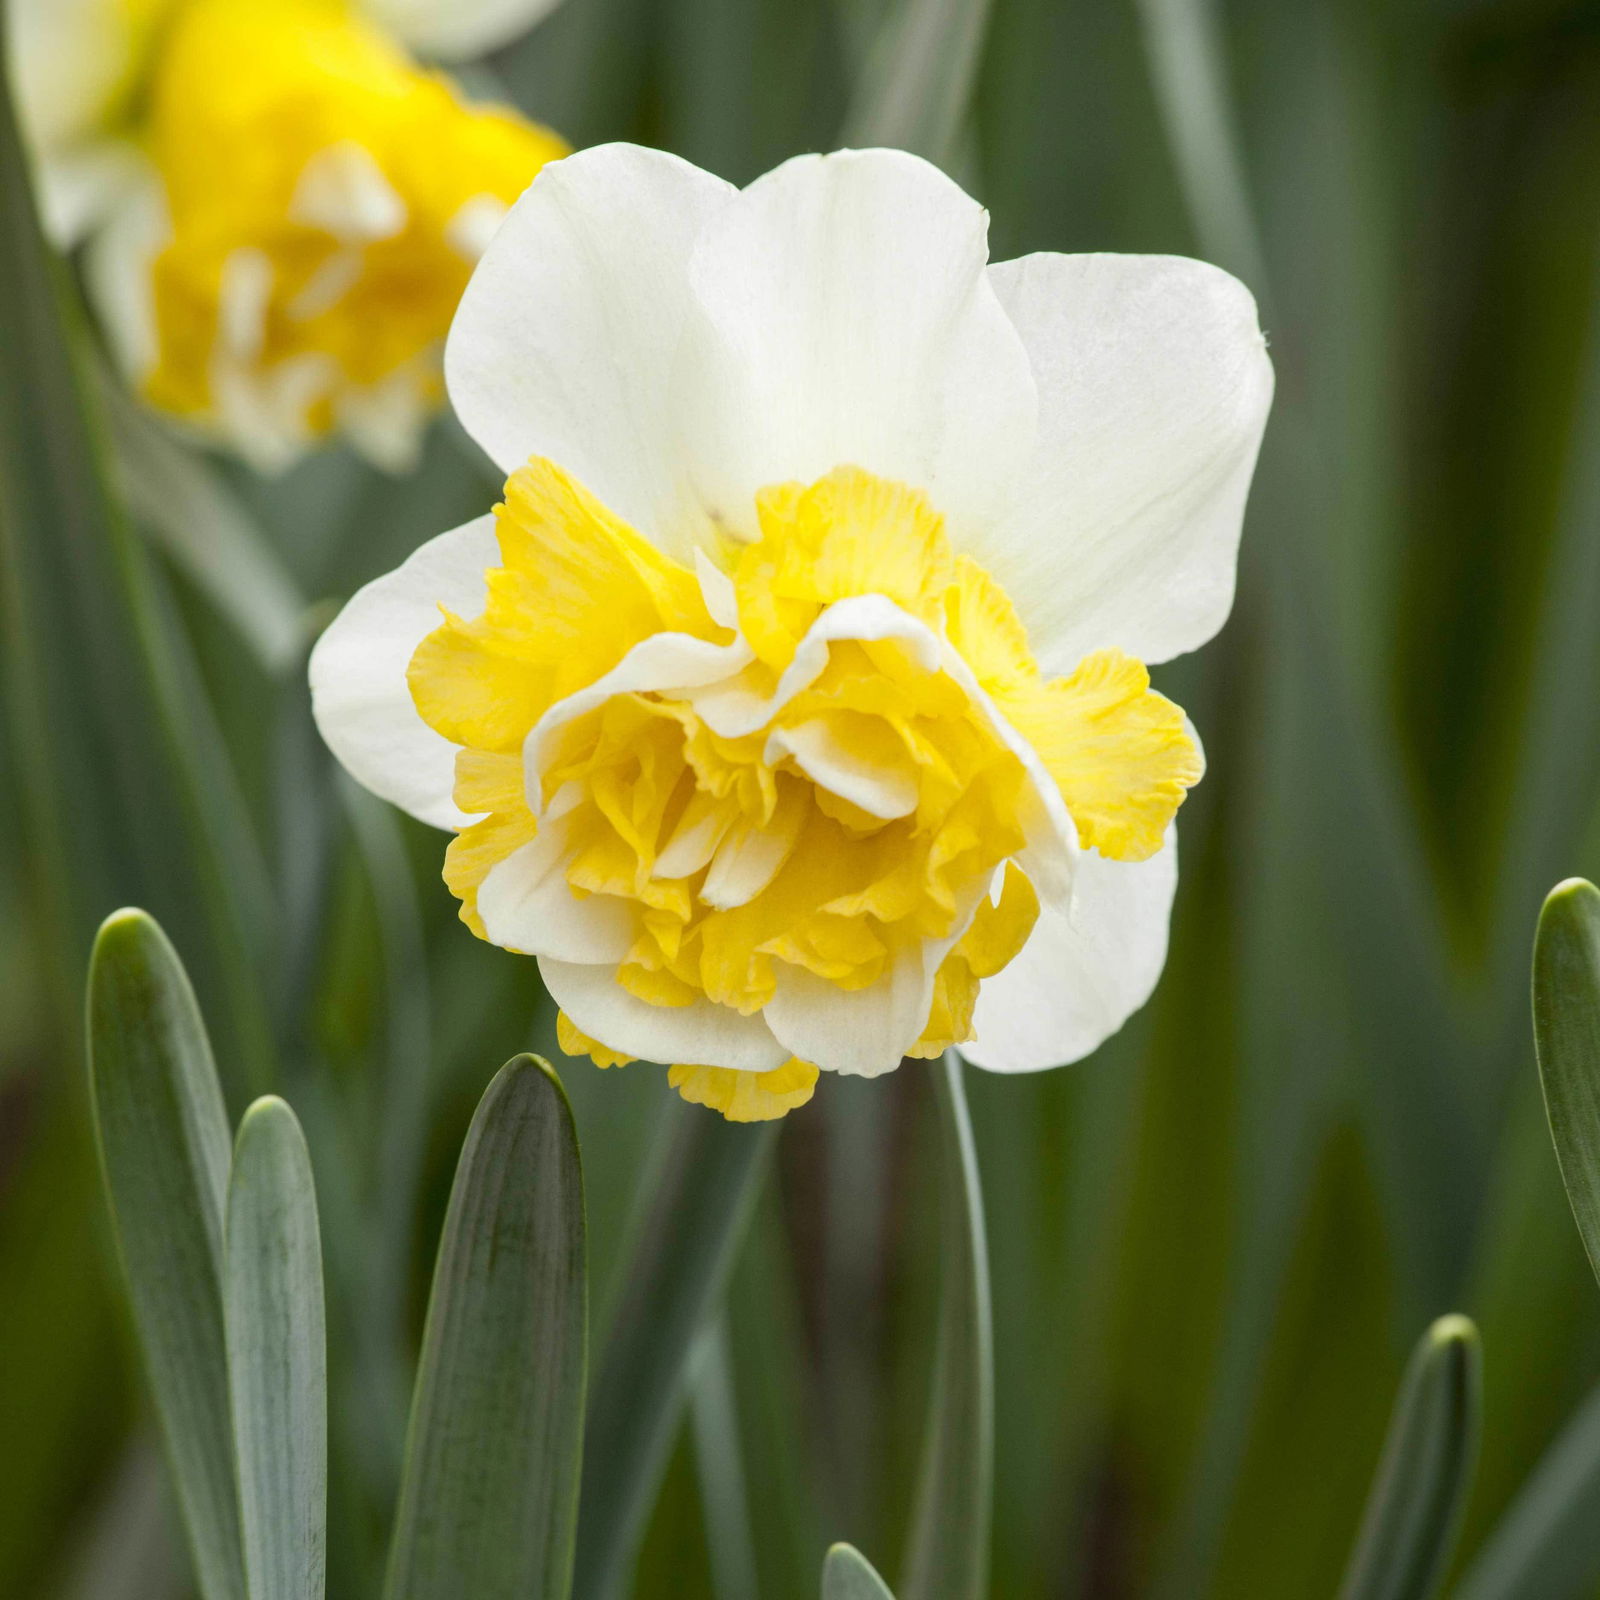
column 813, row 776
column 327, row 201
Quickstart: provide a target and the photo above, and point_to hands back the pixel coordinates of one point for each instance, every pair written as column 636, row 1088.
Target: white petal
column 343, row 191
column 264, row 412
column 386, row 421
column 717, row 591
column 456, row 30
column 748, row 859
column 527, row 905
column 884, row 792
column 663, row 662
column 849, row 319
column 564, row 341
column 863, row 1032
column 701, row 1034
column 695, row 839
column 72, row 62
column 82, row 183
column 1079, row 978
column 1154, row 386
column 117, row 274
column 359, row 693
column 472, row 227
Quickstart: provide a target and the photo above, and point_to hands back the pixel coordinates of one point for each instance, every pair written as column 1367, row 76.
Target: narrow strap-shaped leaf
column 1547, row 1545
column 848, row 1575
column 916, row 80
column 489, row 1498
column 163, row 1138
column 682, row 1249
column 277, row 1356
column 101, row 695
column 1414, row 1508
column 948, row 1554
column 1566, row 1034
column 719, row 1463
column 189, row 511
column 1187, row 71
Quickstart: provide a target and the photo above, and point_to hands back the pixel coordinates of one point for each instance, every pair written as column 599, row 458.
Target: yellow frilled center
column 877, row 808
column 327, row 199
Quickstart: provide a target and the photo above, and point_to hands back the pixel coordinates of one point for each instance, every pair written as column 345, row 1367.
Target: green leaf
column 1547, row 1545
column 191, row 514
column 489, row 1497
column 682, row 1249
column 848, row 1575
column 916, row 80
column 1566, row 1033
column 163, row 1138
column 719, row 1464
column 1414, row 1508
column 100, row 695
column 277, row 1356
column 1187, row 70
column 948, row 1555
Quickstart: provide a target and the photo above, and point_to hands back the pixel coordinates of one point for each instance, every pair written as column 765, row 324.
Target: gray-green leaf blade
column 1414, row 1508
column 848, row 1575
column 681, row 1253
column 277, row 1356
column 1547, row 1545
column 163, row 1137
column 488, row 1503
column 1566, row 1032
column 948, row 1554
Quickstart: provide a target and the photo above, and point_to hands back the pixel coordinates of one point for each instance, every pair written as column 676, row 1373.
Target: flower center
column 327, row 202
column 821, row 770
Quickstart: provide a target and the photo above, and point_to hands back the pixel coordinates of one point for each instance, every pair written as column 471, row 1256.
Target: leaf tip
column 125, row 929
column 1454, row 1329
column 268, row 1111
column 1571, row 895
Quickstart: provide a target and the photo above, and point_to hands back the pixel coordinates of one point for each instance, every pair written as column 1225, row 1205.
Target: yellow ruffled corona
column 785, row 821
column 326, row 201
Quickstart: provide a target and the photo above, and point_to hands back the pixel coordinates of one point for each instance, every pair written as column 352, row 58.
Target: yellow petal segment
column 832, row 833
column 739, row 1096
column 746, row 1096
column 1120, row 752
column 327, row 200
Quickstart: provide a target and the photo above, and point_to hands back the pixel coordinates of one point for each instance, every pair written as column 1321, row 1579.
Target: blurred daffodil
column 284, row 206
column 791, row 709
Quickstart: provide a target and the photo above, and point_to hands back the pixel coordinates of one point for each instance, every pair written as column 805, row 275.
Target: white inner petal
column 474, row 225
column 344, row 192
column 749, row 858
column 880, row 791
column 527, row 904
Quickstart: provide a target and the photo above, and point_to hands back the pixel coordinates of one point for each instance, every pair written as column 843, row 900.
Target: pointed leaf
column 1547, row 1545
column 277, row 1356
column 848, row 1575
column 489, row 1498
column 1566, row 1033
column 682, row 1251
column 163, row 1138
column 1414, row 1509
column 948, row 1558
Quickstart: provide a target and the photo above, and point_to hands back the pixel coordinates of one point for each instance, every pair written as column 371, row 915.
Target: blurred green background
column 1213, row 1242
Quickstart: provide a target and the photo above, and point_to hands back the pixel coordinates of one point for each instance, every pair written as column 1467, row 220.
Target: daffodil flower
column 284, row 206
column 792, row 707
